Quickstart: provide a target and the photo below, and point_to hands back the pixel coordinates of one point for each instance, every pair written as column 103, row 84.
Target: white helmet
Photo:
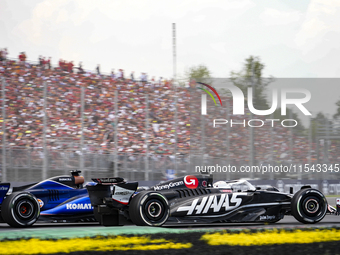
column 221, row 184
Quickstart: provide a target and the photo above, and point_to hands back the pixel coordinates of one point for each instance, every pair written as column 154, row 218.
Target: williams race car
column 57, row 199
column 196, row 199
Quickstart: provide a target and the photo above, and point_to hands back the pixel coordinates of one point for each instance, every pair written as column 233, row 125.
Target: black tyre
column 149, row 208
column 20, row 209
column 309, row 206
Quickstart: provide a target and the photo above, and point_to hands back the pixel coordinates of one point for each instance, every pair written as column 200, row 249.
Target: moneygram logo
column 191, row 181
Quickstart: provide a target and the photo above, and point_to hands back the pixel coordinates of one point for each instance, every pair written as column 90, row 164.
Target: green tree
column 199, row 73
column 290, row 114
column 337, row 114
column 252, row 72
column 319, row 121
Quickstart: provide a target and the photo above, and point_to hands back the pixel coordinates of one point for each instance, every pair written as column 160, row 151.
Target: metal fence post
column 251, row 129
column 291, row 142
column 4, row 171
column 44, row 172
column 272, row 148
column 146, row 137
column 228, row 141
column 115, row 171
column 310, row 144
column 176, row 138
column 203, row 140
column 82, row 129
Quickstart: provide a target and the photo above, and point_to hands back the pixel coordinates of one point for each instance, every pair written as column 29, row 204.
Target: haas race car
column 196, row 199
column 57, row 199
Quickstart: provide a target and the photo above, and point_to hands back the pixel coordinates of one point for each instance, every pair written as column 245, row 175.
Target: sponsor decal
column 267, row 217
column 65, row 179
column 204, row 183
column 122, row 195
column 191, row 181
column 214, row 203
column 227, row 190
column 4, row 188
column 41, row 203
column 109, row 180
column 78, row 206
column 315, row 191
column 168, row 186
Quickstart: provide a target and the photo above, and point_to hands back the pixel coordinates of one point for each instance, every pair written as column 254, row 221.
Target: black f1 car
column 196, row 199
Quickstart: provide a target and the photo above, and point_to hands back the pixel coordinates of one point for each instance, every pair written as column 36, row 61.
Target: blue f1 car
column 59, row 199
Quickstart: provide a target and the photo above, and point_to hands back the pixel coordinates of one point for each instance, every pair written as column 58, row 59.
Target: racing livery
column 196, row 199
column 58, row 199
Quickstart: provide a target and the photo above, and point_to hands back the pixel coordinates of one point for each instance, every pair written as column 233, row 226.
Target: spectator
column 70, row 67
column 98, row 69
column 80, row 68
column 24, row 57
column 132, row 76
column 21, row 57
column 5, row 54
column 40, row 59
column 44, row 63
column 143, row 77
column 61, row 64
column 120, row 75
column 49, row 63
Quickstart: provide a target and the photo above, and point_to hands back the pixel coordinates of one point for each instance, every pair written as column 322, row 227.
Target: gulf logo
column 41, row 203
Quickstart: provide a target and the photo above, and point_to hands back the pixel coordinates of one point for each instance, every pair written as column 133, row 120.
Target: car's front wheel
column 149, row 209
column 309, row 206
column 20, row 209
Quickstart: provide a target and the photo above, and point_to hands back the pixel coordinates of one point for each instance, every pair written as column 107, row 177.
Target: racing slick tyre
column 309, row 206
column 20, row 209
column 149, row 208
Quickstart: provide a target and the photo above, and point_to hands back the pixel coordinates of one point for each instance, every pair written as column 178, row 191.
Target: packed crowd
column 24, row 120
column 24, row 100
column 275, row 144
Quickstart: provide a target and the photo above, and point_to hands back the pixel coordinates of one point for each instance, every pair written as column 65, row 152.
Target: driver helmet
column 221, row 184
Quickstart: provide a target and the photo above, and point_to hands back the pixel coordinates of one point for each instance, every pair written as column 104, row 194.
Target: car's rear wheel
column 149, row 209
column 309, row 206
column 20, row 209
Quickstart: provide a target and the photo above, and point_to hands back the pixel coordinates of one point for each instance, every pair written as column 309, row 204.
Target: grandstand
column 24, row 127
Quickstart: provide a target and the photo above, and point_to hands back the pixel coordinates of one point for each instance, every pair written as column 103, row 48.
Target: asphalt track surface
column 286, row 222
column 70, row 230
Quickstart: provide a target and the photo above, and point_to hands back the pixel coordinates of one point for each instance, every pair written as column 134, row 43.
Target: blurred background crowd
column 24, row 117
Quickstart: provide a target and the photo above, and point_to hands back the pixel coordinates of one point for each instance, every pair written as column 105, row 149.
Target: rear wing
column 109, row 181
column 4, row 187
column 112, row 192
